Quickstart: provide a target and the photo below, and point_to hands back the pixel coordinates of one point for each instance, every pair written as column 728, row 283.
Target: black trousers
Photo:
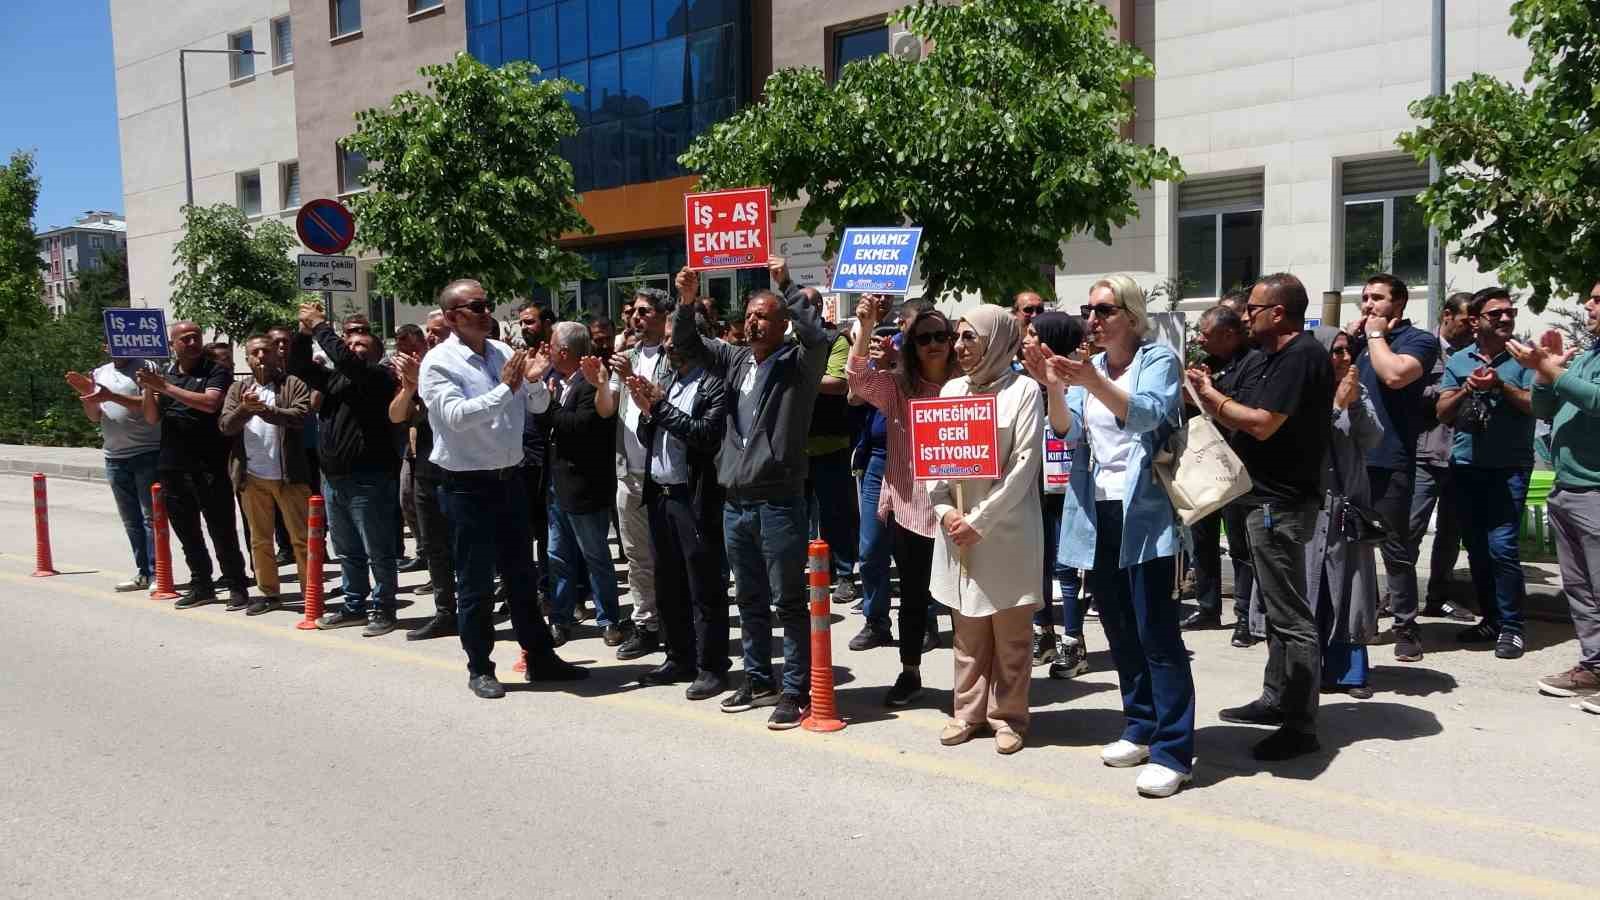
column 913, row 556
column 533, row 479
column 208, row 495
column 1278, row 539
column 690, row 601
column 1208, row 561
column 1391, row 499
column 433, row 542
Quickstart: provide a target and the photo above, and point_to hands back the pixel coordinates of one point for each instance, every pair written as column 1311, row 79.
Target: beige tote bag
column 1200, row 472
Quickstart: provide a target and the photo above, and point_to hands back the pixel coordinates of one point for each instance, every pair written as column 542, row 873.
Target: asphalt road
column 152, row 752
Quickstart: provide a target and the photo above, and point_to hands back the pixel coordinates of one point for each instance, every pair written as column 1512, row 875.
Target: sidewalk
column 76, row 463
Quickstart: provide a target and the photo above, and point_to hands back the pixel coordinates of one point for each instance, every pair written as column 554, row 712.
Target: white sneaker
column 1124, row 754
column 1592, row 704
column 137, row 583
column 1156, row 780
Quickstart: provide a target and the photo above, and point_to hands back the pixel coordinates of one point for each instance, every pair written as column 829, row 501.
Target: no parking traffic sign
column 325, row 226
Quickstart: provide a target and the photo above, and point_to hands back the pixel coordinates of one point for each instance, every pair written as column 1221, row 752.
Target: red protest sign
column 728, row 229
column 954, row 438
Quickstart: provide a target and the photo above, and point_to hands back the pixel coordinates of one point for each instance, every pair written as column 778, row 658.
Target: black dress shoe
column 198, row 595
column 486, row 686
column 1285, row 744
column 668, row 673
column 642, row 642
column 238, row 598
column 284, row 558
column 1253, row 713
column 554, row 668
column 411, row 564
column 1200, row 620
column 1242, row 638
column 707, row 685
column 560, row 633
column 441, row 625
column 616, row 633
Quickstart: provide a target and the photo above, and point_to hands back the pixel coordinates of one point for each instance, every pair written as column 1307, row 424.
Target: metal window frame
column 335, row 27
column 1386, row 251
column 1215, row 213
column 284, row 201
column 241, row 56
column 278, row 60
column 648, row 280
column 238, row 191
column 832, row 33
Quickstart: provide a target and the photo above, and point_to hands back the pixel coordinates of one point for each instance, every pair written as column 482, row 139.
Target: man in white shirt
column 478, row 393
column 112, row 400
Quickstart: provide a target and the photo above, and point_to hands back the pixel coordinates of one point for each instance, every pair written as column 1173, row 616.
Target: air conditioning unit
column 905, row 46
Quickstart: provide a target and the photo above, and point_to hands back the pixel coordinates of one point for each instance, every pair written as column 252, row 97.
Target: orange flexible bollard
column 823, row 716
column 163, row 589
column 311, row 589
column 42, row 566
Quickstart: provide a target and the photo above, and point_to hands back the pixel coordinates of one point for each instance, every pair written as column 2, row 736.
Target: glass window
column 635, row 22
column 514, row 39
column 579, row 73
column 711, row 64
column 671, row 18
column 1363, row 241
column 1197, row 254
column 573, row 26
column 854, row 45
column 250, row 192
column 482, row 12
column 603, row 26
column 289, row 179
column 1409, row 248
column 352, row 171
column 709, row 13
column 706, row 115
column 667, row 80
column 346, row 16
column 1240, row 249
column 638, row 67
column 282, row 42
column 420, row 5
column 639, row 138
column 606, row 143
column 510, row 8
column 542, row 32
column 605, row 89
column 241, row 64
column 483, row 43
column 1386, row 234
column 672, row 138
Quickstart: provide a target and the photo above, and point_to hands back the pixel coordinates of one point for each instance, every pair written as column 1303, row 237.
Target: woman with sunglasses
column 1341, row 574
column 1117, row 523
column 926, row 361
column 988, row 553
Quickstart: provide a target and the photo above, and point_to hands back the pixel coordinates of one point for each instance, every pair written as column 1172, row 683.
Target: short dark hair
column 1397, row 288
column 1289, row 291
column 1482, row 298
column 1222, row 317
column 409, row 330
column 283, row 328
column 658, row 299
column 1240, row 295
column 258, row 336
column 219, row 345
column 765, row 294
column 356, row 319
column 1457, row 303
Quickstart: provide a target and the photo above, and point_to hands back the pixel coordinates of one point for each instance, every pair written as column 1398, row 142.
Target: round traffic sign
column 325, row 226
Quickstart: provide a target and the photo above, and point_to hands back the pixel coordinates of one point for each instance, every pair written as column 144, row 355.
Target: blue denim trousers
column 578, row 545
column 363, row 512
column 1489, row 505
column 832, row 508
column 874, row 547
column 766, row 542
column 1072, row 605
column 130, row 481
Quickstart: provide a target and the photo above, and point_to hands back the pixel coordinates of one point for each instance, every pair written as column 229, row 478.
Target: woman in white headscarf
column 988, row 552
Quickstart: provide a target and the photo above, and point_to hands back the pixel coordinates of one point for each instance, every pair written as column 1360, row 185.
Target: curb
column 69, row 471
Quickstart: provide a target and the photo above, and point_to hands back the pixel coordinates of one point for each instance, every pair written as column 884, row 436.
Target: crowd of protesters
column 716, row 450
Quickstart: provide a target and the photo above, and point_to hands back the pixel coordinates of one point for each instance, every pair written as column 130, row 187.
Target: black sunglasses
column 1250, row 309
column 1033, row 310
column 925, row 338
column 1103, row 310
column 481, row 307
column 1507, row 313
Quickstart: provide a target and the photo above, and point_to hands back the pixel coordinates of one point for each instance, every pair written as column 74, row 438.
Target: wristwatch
column 1375, row 335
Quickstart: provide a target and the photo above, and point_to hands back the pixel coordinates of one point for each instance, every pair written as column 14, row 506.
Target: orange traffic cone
column 163, row 589
column 822, row 716
column 42, row 565
column 311, row 588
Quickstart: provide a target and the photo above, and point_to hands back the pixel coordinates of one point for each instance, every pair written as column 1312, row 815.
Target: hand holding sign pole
column 728, row 229
column 952, row 439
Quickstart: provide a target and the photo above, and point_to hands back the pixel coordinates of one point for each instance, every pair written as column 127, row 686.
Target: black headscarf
column 1058, row 331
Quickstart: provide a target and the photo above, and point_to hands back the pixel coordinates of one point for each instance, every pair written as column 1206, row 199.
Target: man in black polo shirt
column 1280, row 431
column 1393, row 357
column 186, row 401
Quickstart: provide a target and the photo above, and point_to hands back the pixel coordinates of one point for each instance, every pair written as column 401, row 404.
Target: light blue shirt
column 477, row 421
column 669, row 458
column 1149, row 530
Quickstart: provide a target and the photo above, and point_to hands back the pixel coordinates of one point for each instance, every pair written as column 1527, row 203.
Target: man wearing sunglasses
column 1025, row 306
column 1392, row 356
column 1492, row 453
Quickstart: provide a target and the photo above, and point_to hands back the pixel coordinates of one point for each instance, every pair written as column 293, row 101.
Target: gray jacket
column 771, row 463
column 1341, row 577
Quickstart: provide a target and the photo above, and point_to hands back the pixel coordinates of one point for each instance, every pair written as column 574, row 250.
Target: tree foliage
column 1520, row 190
column 21, row 282
column 466, row 182
column 101, row 286
column 233, row 278
column 36, row 405
column 1002, row 143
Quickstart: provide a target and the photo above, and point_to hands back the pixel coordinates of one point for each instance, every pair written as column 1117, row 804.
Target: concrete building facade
column 69, row 250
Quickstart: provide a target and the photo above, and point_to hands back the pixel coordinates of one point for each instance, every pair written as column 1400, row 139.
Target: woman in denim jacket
column 1121, row 406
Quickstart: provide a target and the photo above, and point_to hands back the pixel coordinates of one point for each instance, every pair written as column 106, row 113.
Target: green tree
column 233, row 278
column 103, row 286
column 1002, row 143
column 1520, row 190
column 21, row 284
column 466, row 182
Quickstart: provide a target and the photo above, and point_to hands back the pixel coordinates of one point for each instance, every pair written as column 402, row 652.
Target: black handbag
column 1472, row 414
column 1357, row 522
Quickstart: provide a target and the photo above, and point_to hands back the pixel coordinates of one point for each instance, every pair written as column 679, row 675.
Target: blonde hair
column 1129, row 296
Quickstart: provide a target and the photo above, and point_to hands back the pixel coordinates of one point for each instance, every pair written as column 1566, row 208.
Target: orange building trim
column 651, row 209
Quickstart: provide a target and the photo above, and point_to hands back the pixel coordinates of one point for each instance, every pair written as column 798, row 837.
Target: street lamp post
column 183, row 98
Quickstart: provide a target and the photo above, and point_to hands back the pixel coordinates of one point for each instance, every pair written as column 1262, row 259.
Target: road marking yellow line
column 845, row 744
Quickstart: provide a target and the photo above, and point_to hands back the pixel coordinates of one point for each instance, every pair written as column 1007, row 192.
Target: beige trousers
column 994, row 663
column 260, row 498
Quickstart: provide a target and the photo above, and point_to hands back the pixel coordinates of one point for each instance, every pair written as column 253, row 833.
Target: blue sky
column 59, row 99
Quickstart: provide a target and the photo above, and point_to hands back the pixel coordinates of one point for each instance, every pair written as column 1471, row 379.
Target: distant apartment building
column 67, row 251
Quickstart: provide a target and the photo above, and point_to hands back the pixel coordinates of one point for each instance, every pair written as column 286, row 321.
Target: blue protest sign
column 137, row 334
column 876, row 260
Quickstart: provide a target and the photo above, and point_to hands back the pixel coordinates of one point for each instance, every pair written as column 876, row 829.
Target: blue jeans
column 1072, row 607
column 874, row 547
column 766, row 541
column 1140, row 616
column 831, row 509
column 1489, row 506
column 488, row 521
column 578, row 543
column 363, row 508
column 130, row 481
